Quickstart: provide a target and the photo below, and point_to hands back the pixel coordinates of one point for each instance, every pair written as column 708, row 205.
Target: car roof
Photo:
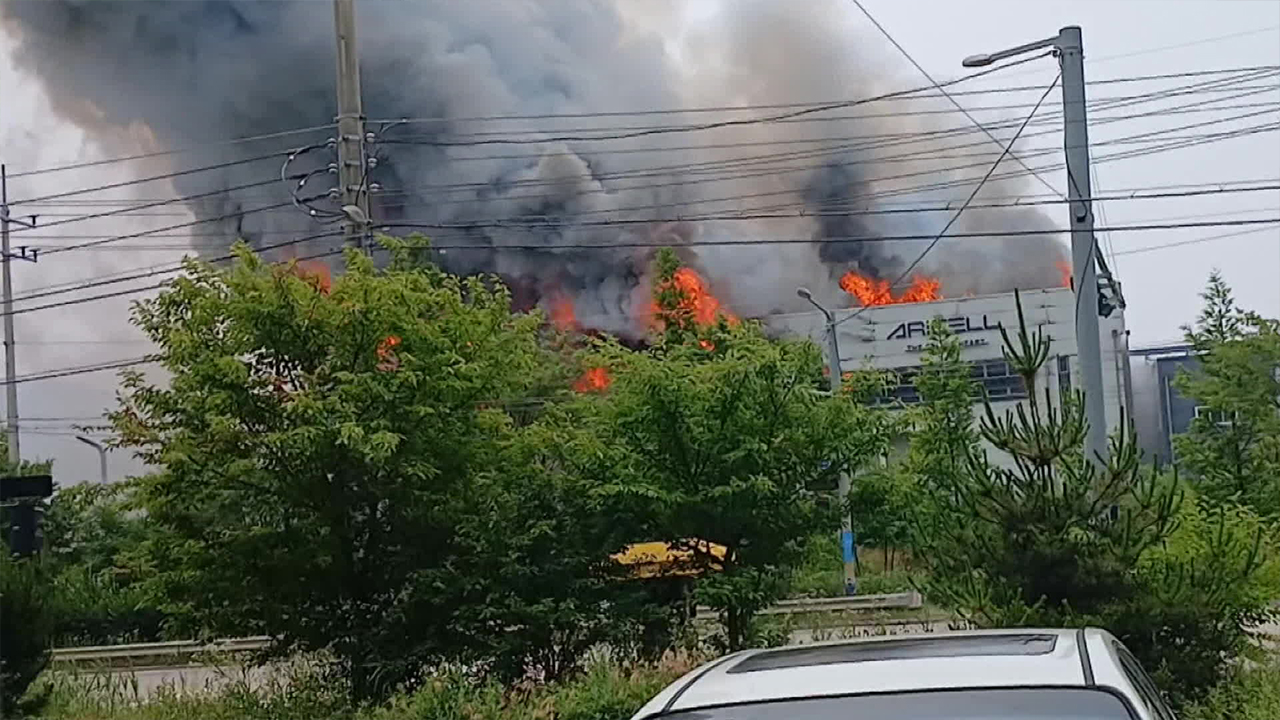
column 972, row 659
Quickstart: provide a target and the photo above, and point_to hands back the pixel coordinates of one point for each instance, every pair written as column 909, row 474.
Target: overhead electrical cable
column 542, row 247
column 175, row 151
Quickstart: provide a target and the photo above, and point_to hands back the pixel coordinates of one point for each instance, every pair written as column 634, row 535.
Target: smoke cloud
column 207, row 71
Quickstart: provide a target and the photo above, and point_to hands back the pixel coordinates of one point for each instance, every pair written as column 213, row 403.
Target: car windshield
column 1019, row 704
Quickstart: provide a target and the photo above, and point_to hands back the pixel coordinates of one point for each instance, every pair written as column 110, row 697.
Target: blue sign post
column 849, row 550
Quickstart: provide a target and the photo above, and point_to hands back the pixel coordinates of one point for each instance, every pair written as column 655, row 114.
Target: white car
column 983, row 675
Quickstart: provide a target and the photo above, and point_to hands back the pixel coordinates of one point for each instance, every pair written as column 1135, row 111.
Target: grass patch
column 606, row 691
column 821, row 574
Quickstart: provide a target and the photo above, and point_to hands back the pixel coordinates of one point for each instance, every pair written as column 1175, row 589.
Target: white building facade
column 893, row 337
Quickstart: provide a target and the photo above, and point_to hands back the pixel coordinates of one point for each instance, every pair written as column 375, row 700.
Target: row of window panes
column 993, row 375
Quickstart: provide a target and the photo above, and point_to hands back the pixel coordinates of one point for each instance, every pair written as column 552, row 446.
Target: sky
column 1122, row 38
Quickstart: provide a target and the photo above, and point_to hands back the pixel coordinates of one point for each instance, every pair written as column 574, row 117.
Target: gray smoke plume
column 206, row 71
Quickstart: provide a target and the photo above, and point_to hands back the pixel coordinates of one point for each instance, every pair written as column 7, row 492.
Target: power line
column 1196, row 241
column 753, row 216
column 1206, row 87
column 838, row 151
column 234, row 215
column 732, row 123
column 1232, row 84
column 711, row 166
column 863, row 144
column 709, row 243
column 1007, row 149
column 186, row 198
column 1177, row 46
column 913, row 94
column 950, row 99
column 172, row 267
column 177, row 151
column 833, row 239
column 897, row 192
column 78, row 370
column 153, row 178
column 863, row 196
column 743, row 216
column 1175, row 190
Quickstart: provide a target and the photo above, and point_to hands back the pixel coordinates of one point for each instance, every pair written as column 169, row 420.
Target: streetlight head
column 977, row 60
column 804, row 293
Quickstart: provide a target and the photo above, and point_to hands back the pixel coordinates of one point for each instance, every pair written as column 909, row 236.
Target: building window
column 1221, row 418
column 995, row 376
column 1064, row 375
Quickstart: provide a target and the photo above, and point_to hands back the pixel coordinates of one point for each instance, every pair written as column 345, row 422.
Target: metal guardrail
column 185, row 652
column 853, row 603
column 147, row 654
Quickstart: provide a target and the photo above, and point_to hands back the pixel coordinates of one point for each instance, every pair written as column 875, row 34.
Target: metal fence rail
column 184, row 652
column 188, row 652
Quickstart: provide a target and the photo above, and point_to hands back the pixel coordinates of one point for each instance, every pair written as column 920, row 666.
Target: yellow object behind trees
column 660, row 559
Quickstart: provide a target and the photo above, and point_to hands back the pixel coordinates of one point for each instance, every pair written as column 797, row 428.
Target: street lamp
column 102, row 456
column 836, row 374
column 1070, row 50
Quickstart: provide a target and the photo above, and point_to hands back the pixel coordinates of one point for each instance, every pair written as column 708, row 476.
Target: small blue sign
column 846, row 545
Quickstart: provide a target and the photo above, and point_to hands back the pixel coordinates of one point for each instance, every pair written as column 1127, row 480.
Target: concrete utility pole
column 1083, row 242
column 10, row 361
column 353, row 190
column 832, row 348
column 1070, row 50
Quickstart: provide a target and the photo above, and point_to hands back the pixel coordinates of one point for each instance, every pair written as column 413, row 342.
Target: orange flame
column 594, row 380
column 387, row 359
column 872, row 291
column 314, row 272
column 1064, row 268
column 561, row 313
column 696, row 300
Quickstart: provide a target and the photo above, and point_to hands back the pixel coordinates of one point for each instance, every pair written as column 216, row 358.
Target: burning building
column 892, row 335
column 519, row 157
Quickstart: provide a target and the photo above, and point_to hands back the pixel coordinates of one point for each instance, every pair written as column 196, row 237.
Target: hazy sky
column 1122, row 38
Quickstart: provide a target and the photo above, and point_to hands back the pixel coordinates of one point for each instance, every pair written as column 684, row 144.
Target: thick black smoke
column 204, row 71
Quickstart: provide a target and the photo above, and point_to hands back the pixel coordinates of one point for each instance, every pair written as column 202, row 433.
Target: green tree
column 1036, row 534
column 716, row 435
column 541, row 588
column 1232, row 449
column 941, row 437
column 94, row 536
column 28, row 611
column 28, row 615
column 1046, row 538
column 316, row 445
column 942, row 425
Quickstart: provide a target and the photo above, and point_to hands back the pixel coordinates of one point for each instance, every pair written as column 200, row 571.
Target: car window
column 1146, row 687
column 977, row 704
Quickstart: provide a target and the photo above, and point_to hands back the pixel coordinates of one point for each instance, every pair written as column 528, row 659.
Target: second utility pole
column 10, row 361
column 1083, row 244
column 1084, row 247
column 352, row 188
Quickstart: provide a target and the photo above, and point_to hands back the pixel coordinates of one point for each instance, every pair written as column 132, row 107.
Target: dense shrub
column 1251, row 693
column 27, row 619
